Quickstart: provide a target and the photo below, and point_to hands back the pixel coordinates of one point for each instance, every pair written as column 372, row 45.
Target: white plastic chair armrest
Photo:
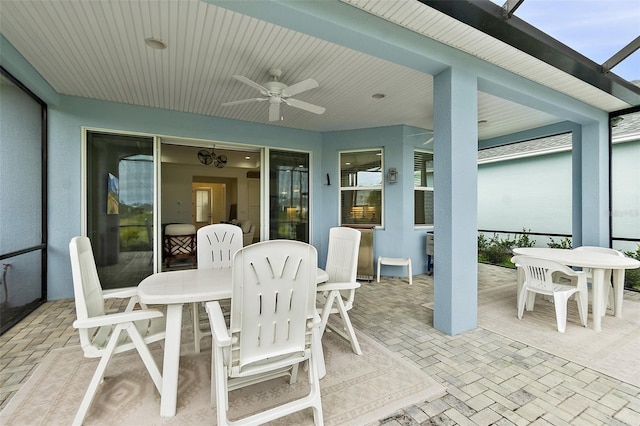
column 219, row 331
column 315, row 322
column 338, row 286
column 118, row 318
column 120, row 293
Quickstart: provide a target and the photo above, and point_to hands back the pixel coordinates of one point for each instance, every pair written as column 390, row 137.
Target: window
column 361, row 187
column 423, row 187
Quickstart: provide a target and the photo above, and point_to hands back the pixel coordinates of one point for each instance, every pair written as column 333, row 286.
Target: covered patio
column 489, row 378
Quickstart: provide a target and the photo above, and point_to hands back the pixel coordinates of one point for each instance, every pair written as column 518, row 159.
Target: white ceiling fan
column 276, row 93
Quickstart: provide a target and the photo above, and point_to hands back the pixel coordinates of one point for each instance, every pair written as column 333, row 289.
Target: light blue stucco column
column 456, row 201
column 594, row 184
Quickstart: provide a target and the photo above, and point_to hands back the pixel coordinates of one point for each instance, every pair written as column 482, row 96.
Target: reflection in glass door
column 120, row 202
column 289, row 195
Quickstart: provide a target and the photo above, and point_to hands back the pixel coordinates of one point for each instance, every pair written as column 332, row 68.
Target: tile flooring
column 491, row 380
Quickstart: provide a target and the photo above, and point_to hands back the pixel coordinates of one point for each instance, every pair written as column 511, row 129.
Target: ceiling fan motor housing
column 275, row 87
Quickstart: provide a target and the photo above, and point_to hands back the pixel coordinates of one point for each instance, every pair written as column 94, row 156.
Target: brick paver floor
column 490, row 379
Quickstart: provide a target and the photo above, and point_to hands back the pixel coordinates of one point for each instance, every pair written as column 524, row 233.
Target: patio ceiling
column 96, row 49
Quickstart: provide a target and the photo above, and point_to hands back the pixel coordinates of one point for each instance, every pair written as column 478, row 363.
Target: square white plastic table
column 174, row 289
column 598, row 262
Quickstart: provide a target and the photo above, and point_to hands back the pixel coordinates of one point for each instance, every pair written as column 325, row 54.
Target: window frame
column 421, row 188
column 341, row 189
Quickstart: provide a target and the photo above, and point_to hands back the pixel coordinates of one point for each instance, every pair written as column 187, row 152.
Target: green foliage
column 632, row 276
column 133, row 227
column 498, row 251
column 564, row 243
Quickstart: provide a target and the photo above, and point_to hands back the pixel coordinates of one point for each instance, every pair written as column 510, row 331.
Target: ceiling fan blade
column 244, row 101
column 300, row 87
column 251, row 83
column 305, row 106
column 274, row 111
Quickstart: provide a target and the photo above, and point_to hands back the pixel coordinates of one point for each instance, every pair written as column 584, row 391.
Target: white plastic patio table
column 598, row 262
column 175, row 288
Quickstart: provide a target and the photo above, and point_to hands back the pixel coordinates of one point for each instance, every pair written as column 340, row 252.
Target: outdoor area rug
column 356, row 390
column 614, row 351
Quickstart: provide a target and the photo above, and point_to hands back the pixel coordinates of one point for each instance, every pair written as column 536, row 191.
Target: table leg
column 598, row 295
column 520, row 282
column 171, row 363
column 618, row 290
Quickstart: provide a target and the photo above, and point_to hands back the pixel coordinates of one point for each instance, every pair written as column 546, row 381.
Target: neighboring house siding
column 523, row 187
column 625, row 194
column 532, row 193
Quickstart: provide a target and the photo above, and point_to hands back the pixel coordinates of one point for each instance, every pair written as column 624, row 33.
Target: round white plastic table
column 174, row 289
column 598, row 262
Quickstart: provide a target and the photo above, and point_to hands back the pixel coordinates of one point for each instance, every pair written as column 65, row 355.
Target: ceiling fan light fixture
column 155, row 43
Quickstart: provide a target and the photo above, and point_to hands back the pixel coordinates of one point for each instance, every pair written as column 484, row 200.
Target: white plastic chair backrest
column 342, row 255
column 603, row 250
column 538, row 272
column 216, row 245
column 273, row 297
column 596, row 249
column 86, row 285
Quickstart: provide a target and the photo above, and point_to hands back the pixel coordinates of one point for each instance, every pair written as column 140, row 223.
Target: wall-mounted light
column 392, row 175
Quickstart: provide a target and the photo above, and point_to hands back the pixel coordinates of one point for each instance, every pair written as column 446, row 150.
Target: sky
column 595, row 28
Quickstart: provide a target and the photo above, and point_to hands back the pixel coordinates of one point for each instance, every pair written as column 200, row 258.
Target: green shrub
column 632, row 276
column 498, row 251
column 564, row 243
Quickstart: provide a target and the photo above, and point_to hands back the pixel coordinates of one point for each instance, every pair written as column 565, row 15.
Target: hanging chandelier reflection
column 209, row 157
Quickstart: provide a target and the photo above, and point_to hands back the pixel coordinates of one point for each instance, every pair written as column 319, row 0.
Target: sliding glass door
column 288, row 195
column 120, row 206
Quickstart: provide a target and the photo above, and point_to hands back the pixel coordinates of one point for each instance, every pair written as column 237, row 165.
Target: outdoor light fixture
column 392, row 175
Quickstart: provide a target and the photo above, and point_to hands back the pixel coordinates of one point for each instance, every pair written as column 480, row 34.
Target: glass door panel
column 289, row 195
column 120, row 207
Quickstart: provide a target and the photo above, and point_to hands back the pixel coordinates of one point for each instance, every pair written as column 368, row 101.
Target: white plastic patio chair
column 216, row 246
column 272, row 327
column 609, row 298
column 100, row 333
column 336, row 296
column 538, row 279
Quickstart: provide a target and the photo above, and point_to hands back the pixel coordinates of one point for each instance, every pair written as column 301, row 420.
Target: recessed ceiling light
column 378, row 96
column 247, row 158
column 155, row 43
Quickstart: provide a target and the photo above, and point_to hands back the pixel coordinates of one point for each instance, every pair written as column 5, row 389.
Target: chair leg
column 146, row 356
column 326, row 311
column 582, row 307
column 97, row 377
column 522, row 300
column 531, row 300
column 410, row 273
column 560, row 302
column 378, row 280
column 350, row 332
